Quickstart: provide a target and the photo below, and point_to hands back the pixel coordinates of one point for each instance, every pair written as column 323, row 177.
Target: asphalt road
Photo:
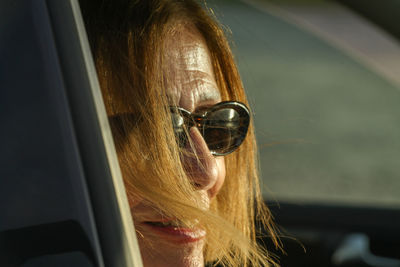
column 327, row 125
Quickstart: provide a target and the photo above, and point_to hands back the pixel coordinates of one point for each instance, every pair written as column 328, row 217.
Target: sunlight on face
column 191, row 85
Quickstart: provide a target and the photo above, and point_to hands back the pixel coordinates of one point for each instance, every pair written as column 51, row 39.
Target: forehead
column 189, row 72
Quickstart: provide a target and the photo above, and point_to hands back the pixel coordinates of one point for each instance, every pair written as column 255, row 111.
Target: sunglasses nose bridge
column 198, row 121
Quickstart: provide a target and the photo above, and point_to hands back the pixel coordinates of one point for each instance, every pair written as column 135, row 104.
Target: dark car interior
column 61, row 193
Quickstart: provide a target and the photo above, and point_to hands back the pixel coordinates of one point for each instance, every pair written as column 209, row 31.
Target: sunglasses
column 223, row 126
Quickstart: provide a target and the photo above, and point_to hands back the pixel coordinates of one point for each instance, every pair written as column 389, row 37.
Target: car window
column 324, row 86
column 62, row 196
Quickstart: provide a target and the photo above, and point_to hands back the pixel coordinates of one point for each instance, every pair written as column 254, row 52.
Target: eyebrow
column 210, row 94
column 208, row 90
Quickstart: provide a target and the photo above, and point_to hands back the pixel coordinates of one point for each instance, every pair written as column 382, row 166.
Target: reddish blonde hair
column 127, row 40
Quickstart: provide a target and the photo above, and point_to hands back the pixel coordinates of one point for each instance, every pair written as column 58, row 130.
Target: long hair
column 127, row 37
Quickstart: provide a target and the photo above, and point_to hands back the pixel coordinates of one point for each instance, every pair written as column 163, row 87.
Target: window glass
column 325, row 95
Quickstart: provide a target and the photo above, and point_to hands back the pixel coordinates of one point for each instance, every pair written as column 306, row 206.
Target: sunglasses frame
column 199, row 120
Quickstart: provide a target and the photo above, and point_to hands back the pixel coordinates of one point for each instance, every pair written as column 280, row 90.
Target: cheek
column 220, row 164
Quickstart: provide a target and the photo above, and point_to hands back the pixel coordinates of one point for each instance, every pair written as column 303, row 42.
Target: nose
column 206, row 171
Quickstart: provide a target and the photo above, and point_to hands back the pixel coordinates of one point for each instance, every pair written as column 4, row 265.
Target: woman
column 164, row 68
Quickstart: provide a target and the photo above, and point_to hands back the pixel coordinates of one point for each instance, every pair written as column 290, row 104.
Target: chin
column 159, row 253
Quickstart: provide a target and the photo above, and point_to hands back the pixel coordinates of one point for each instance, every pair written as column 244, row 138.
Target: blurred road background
column 325, row 94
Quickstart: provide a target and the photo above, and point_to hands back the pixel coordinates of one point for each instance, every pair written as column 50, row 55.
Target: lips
column 175, row 232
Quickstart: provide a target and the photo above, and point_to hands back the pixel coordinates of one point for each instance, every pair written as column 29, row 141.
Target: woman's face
column 191, row 85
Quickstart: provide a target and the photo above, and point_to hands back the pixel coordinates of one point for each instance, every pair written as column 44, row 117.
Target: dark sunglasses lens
column 225, row 129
